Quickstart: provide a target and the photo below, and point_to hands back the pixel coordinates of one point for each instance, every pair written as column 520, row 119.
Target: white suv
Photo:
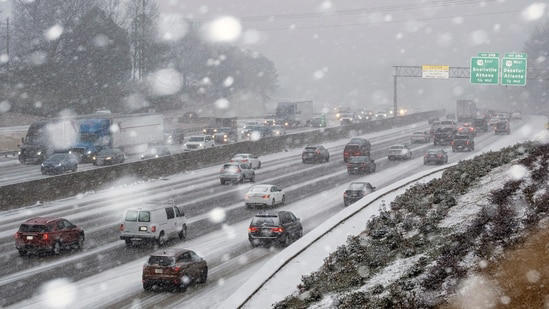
column 156, row 223
column 199, row 142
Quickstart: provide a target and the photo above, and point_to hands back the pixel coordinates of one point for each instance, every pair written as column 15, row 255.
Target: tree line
column 86, row 55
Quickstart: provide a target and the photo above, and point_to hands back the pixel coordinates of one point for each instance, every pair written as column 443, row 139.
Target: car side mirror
column 182, row 214
column 373, row 188
column 22, row 140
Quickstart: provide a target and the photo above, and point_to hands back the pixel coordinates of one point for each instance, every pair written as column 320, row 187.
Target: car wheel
column 183, row 233
column 222, row 181
column 328, row 159
column 128, row 242
column 273, row 202
column 345, row 203
column 56, row 249
column 22, row 252
column 248, row 206
column 147, row 286
column 253, row 178
column 283, row 200
column 259, row 165
column 203, row 275
column 161, row 239
column 241, row 180
column 300, row 234
column 286, row 241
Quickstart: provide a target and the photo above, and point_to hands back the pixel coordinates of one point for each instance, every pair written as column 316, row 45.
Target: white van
column 153, row 222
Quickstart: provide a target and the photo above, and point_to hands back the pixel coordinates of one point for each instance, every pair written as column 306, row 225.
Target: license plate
column 355, row 168
column 266, row 232
column 30, row 237
column 142, row 228
column 100, row 161
column 158, row 271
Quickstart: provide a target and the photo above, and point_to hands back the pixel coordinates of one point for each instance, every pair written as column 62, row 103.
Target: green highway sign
column 513, row 69
column 485, row 70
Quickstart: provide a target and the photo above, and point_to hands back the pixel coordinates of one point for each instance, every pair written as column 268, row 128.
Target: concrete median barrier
column 51, row 188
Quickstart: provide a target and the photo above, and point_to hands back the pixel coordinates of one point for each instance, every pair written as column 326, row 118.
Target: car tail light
column 45, row 236
column 345, row 193
column 277, row 229
column 121, row 227
column 176, row 268
column 345, row 153
column 153, row 228
column 467, row 142
column 221, row 170
column 452, row 142
column 245, row 160
column 252, row 229
column 318, row 151
column 440, row 156
column 17, row 235
column 266, row 196
column 425, row 155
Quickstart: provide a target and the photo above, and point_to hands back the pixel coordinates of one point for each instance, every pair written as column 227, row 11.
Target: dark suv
column 177, row 268
column 357, row 146
column 356, row 191
column 315, row 154
column 361, row 165
column 47, row 235
column 463, row 142
column 280, row 228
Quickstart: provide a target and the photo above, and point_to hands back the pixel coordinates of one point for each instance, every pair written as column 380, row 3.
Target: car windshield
column 311, row 148
column 257, row 189
column 419, row 133
column 356, row 141
column 241, row 156
column 196, row 139
column 144, row 216
column 106, row 152
column 398, row 147
column 131, row 215
column 356, row 186
column 161, row 260
column 264, row 220
column 33, row 228
column 56, row 158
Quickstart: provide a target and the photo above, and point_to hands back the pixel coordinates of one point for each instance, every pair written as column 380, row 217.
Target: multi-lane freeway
column 106, row 273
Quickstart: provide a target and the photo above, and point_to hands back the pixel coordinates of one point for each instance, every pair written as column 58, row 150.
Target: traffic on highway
column 162, row 154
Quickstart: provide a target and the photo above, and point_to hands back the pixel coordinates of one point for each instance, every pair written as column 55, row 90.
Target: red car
column 47, row 235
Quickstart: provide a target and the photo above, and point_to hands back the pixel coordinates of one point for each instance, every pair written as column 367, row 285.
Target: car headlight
column 42, row 165
column 108, row 158
column 89, row 152
column 142, row 156
column 59, row 164
column 156, row 156
column 40, row 152
column 201, row 145
column 93, row 158
column 19, row 153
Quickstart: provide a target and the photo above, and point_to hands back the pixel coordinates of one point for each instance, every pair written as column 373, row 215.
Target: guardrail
column 269, row 269
column 51, row 188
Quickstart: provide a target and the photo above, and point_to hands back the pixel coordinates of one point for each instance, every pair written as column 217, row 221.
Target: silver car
column 234, row 172
column 399, row 152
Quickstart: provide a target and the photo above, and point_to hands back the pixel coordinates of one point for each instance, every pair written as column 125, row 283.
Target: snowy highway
column 314, row 193
column 11, row 171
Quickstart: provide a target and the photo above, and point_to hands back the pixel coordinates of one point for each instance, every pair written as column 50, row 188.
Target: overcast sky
column 341, row 52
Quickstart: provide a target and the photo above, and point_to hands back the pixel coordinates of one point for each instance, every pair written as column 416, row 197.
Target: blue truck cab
column 94, row 135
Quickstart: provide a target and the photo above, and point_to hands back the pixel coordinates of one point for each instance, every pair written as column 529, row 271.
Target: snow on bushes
column 418, row 235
